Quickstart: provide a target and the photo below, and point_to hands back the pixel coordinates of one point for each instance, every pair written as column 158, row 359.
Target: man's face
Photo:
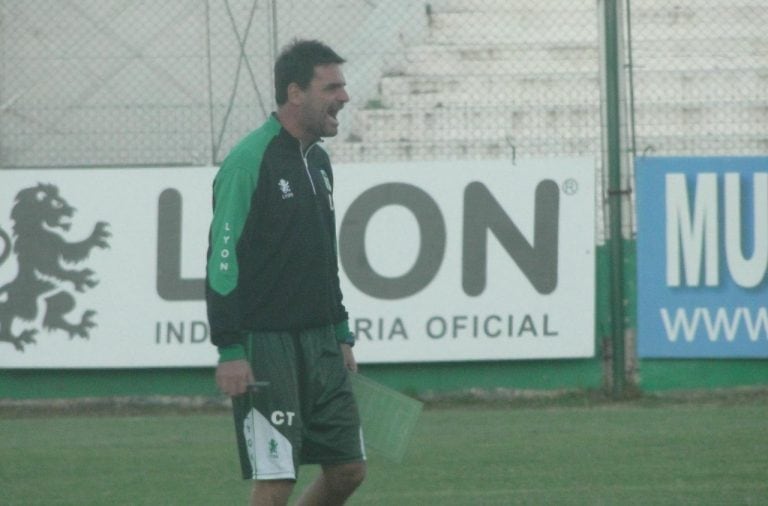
column 323, row 99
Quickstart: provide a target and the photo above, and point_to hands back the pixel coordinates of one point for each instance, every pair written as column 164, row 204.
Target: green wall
column 409, row 378
column 655, row 375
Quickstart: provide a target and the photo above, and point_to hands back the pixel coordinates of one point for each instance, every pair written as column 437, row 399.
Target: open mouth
column 332, row 116
column 63, row 222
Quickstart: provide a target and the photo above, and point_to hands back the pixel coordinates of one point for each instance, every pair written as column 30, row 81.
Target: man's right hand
column 233, row 377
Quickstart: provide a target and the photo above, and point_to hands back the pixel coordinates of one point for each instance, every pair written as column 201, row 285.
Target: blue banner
column 702, row 256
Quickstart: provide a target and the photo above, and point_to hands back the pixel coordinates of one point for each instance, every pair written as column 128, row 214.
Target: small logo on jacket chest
column 285, row 189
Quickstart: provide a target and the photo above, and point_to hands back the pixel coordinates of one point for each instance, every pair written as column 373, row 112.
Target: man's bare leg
column 271, row 492
column 334, row 485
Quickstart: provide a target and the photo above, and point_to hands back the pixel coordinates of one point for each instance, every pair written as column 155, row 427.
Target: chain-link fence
column 129, row 83
column 700, row 76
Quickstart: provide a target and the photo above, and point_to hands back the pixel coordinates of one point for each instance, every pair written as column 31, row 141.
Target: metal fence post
column 613, row 148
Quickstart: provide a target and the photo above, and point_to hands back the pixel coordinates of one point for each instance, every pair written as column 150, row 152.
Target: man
column 274, row 302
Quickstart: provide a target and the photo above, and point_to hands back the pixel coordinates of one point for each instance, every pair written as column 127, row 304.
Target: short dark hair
column 296, row 64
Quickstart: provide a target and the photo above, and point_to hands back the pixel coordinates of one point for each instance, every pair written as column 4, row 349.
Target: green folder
column 388, row 417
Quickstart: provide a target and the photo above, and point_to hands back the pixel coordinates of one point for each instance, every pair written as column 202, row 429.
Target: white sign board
column 462, row 270
column 122, row 321
column 441, row 261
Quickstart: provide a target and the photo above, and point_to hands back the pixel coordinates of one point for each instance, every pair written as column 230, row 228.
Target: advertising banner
column 702, row 256
column 471, row 260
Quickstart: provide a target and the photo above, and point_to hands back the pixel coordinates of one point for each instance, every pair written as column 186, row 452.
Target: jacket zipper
column 314, row 192
column 306, row 166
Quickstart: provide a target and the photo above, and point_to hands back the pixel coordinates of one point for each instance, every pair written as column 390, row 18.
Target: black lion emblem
column 42, row 278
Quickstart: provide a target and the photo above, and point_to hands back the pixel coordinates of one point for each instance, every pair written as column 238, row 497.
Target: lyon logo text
column 40, row 287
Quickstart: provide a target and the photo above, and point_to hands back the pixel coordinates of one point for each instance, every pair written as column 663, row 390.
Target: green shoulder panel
column 233, row 191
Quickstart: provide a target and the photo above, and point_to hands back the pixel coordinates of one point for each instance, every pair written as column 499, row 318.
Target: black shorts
column 307, row 413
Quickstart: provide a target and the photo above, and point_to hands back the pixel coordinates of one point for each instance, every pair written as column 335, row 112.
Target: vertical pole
column 210, row 80
column 275, row 48
column 273, row 43
column 613, row 135
column 631, row 75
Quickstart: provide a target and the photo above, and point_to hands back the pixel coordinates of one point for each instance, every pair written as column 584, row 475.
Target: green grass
column 629, row 453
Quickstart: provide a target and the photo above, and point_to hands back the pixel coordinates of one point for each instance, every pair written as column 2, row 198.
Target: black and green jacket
column 272, row 263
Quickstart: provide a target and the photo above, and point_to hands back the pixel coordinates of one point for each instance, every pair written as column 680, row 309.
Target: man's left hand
column 349, row 357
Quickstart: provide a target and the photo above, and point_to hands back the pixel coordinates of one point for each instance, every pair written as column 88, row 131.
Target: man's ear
column 295, row 94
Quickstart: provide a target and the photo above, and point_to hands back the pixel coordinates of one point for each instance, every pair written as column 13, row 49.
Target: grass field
column 645, row 453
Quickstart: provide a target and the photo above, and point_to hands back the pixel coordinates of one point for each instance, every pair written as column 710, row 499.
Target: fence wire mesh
column 127, row 83
column 700, row 76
